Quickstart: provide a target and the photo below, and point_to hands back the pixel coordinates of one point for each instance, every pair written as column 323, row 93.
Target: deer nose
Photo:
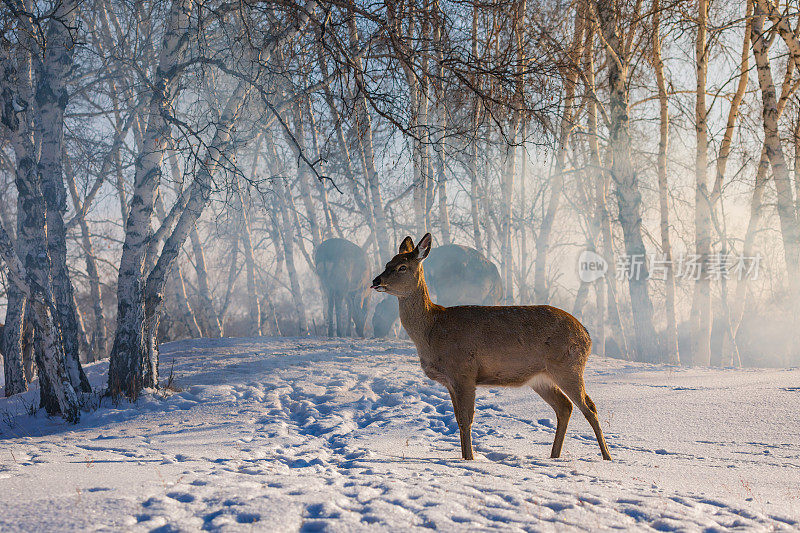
column 376, row 282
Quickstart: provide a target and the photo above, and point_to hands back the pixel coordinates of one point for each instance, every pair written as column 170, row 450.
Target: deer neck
column 416, row 311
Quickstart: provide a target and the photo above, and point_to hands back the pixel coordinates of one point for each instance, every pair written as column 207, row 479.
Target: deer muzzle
column 376, row 284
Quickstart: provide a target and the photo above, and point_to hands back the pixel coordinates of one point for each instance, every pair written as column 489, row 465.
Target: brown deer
column 465, row 346
column 344, row 273
column 456, row 275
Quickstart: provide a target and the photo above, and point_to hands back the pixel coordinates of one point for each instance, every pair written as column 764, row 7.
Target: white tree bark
column 11, row 342
column 253, row 304
column 671, row 354
column 99, row 343
column 207, row 314
column 570, row 78
column 32, row 278
column 441, row 111
column 51, row 100
column 787, row 214
column 363, row 121
column 701, row 305
column 199, row 195
column 129, row 368
column 11, row 338
column 629, row 198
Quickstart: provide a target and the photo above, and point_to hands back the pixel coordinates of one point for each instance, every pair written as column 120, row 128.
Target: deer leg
column 350, row 316
column 576, row 390
column 330, row 315
column 563, row 408
column 590, row 412
column 463, row 397
column 340, row 312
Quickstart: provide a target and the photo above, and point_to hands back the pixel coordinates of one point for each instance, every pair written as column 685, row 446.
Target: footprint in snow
column 182, row 497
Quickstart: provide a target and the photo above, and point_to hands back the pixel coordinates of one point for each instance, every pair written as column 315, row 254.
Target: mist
column 170, row 172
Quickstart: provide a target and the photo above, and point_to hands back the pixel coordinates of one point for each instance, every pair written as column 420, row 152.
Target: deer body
column 344, row 273
column 463, row 347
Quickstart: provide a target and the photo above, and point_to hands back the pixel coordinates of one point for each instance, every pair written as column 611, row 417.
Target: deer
column 467, row 346
column 457, row 275
column 460, row 275
column 343, row 271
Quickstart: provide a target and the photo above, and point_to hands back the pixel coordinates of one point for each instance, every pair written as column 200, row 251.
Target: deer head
column 403, row 274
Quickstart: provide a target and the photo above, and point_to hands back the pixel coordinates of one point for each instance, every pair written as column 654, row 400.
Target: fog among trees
column 171, row 169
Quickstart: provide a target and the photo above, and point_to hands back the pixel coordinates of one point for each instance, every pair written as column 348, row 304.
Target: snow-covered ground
column 347, row 435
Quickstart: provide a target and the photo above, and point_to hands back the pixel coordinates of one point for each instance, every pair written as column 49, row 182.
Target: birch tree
column 129, row 367
column 626, row 180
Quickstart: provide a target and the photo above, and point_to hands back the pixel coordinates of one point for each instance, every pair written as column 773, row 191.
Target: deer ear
column 407, row 245
column 423, row 247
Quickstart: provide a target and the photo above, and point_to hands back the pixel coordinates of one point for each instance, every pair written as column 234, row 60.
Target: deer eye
column 402, row 268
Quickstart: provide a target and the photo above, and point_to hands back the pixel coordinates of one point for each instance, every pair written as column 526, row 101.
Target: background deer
column 344, row 273
column 460, row 275
column 456, row 275
column 465, row 346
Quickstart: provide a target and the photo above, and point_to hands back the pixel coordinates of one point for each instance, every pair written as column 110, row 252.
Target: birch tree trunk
column 424, row 134
column 363, row 121
column 233, row 275
column 253, row 303
column 12, row 336
column 786, row 212
column 83, row 337
column 56, row 392
column 474, row 196
column 701, row 305
column 730, row 345
column 189, row 316
column 99, row 342
column 28, row 359
column 199, row 195
column 327, row 231
column 129, row 367
column 748, row 246
column 51, row 100
column 670, row 352
column 629, row 198
column 540, row 289
column 11, row 342
column 522, row 226
column 287, row 234
column 602, row 182
column 209, row 319
column 441, row 123
column 510, row 159
column 297, row 145
column 507, row 193
column 418, row 161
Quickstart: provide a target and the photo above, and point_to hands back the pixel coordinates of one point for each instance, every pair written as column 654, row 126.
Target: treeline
column 169, row 167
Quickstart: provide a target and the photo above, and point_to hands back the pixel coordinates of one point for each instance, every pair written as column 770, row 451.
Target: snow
column 348, row 435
